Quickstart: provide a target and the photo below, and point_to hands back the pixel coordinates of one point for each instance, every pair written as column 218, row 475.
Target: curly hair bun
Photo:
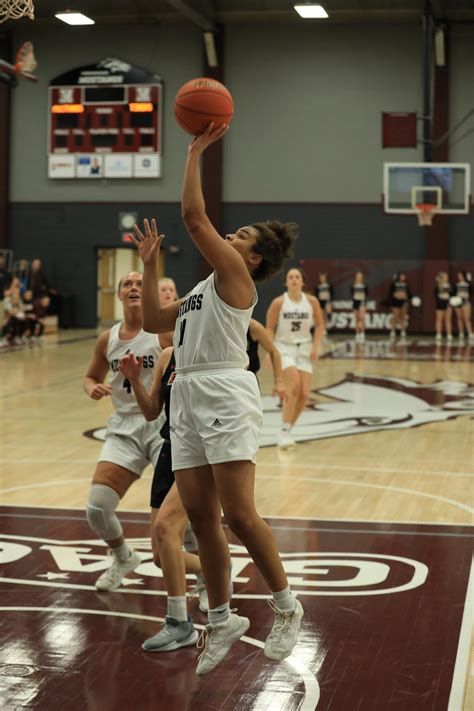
column 274, row 242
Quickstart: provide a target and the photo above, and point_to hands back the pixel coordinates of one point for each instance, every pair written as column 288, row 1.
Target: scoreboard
column 105, row 122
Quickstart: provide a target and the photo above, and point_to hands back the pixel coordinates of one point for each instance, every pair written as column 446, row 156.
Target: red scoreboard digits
column 105, row 122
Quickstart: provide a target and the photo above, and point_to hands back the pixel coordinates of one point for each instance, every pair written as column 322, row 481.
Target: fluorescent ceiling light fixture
column 74, row 18
column 309, row 11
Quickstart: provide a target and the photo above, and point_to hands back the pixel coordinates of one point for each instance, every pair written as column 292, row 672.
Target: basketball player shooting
column 216, row 411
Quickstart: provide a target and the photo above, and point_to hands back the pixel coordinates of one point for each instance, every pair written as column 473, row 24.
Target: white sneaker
column 393, row 335
column 281, row 640
column 449, row 338
column 285, row 440
column 200, row 590
column 190, row 543
column 438, row 338
column 217, row 640
column 112, row 578
column 173, row 635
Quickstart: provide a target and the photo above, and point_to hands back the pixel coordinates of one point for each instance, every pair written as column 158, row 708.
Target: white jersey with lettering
column 144, row 345
column 209, row 332
column 295, row 321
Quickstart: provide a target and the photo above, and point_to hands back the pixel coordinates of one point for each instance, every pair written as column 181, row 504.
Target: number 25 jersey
column 145, row 346
column 295, row 321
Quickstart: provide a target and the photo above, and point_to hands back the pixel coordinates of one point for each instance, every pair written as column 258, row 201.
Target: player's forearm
column 192, row 199
column 151, row 307
column 276, row 365
column 146, row 404
column 88, row 385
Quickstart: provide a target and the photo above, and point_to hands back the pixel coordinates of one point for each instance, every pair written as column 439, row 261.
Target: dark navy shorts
column 163, row 477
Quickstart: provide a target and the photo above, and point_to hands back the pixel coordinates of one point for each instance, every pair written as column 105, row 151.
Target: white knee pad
column 100, row 512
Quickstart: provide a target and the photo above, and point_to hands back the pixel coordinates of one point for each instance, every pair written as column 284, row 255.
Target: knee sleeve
column 101, row 512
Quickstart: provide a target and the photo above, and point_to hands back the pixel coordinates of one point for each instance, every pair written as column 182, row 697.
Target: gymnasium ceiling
column 206, row 13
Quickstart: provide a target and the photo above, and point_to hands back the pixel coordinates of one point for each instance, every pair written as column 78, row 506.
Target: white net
column 15, row 9
column 425, row 215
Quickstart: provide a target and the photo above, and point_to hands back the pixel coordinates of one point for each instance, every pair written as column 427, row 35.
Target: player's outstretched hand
column 130, row 367
column 100, row 390
column 148, row 244
column 210, row 135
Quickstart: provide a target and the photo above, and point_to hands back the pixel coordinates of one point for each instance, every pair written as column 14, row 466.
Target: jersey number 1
column 182, row 328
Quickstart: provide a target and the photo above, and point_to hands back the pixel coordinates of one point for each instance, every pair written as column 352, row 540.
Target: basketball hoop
column 25, row 59
column 425, row 213
column 15, row 9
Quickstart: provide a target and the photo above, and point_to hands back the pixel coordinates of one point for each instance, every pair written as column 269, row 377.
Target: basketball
column 455, row 301
column 200, row 102
column 416, row 301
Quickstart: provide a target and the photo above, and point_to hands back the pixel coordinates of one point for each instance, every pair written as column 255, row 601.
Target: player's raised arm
column 220, row 255
column 155, row 318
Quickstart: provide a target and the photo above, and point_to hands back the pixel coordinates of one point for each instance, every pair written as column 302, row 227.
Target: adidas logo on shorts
column 216, row 423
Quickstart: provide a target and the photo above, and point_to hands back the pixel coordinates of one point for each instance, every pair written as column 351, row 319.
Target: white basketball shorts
column 295, row 355
column 215, row 417
column 131, row 442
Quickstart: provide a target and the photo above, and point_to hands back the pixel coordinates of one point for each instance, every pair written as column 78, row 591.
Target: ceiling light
column 74, row 18
column 309, row 11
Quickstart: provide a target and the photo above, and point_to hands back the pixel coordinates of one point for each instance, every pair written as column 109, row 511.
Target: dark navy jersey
column 252, row 352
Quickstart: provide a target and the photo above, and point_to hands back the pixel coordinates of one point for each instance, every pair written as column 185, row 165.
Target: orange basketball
column 201, row 101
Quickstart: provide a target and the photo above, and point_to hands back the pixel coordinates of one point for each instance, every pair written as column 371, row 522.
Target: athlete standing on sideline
column 399, row 296
column 463, row 290
column 442, row 293
column 359, row 292
column 324, row 294
column 290, row 320
column 131, row 443
column 216, row 411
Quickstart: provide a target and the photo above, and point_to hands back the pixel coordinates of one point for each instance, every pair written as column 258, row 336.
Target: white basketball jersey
column 144, row 345
column 295, row 321
column 209, row 331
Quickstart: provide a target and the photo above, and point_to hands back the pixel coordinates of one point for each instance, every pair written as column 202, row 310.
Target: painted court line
column 311, row 698
column 377, row 521
column 460, row 673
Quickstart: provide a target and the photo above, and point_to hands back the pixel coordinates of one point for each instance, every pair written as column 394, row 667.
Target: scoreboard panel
column 102, row 127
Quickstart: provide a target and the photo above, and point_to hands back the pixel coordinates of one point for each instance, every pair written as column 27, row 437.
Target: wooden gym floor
column 373, row 514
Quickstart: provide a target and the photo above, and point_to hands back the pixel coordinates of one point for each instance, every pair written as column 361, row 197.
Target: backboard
column 446, row 186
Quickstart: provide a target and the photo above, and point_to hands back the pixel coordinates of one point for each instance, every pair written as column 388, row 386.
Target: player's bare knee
column 241, row 523
column 165, row 528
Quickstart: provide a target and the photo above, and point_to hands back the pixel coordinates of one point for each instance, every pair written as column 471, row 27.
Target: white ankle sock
column 219, row 614
column 122, row 552
column 285, row 600
column 177, row 608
